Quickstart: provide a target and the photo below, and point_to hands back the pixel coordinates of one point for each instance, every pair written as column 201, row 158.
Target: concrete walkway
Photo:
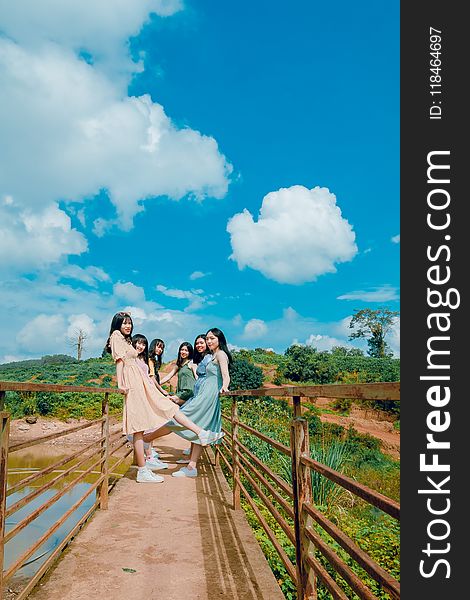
column 181, row 537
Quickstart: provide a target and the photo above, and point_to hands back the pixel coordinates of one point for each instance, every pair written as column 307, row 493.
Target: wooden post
column 4, row 435
column 297, row 406
column 235, row 460
column 103, row 488
column 302, row 488
column 217, row 455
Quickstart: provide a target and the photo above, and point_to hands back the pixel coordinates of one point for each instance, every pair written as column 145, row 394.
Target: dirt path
column 366, row 422
column 178, row 539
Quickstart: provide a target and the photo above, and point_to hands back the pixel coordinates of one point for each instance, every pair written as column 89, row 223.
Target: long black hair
column 222, row 342
column 156, row 358
column 179, row 360
column 198, row 356
column 138, row 337
column 116, row 325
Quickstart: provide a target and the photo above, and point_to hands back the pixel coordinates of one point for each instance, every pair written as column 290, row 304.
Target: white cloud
column 34, row 240
column 99, row 29
column 175, row 293
column 90, row 275
column 255, row 329
column 300, row 234
column 44, row 334
column 81, row 322
column 71, row 126
column 325, row 342
column 396, row 239
column 8, row 358
column 384, row 293
column 194, row 296
column 128, row 291
column 198, row 275
column 43, row 312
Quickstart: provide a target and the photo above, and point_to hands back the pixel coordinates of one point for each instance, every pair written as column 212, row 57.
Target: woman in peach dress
column 144, row 406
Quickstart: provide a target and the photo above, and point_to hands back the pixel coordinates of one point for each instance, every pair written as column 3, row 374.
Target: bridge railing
column 291, row 504
column 94, row 458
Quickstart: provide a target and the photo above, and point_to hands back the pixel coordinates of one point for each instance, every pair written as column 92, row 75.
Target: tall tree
column 373, row 325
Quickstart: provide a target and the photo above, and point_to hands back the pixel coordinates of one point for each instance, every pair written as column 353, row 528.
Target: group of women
column 150, row 412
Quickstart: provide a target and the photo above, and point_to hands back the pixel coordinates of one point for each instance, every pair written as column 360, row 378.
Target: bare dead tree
column 77, row 341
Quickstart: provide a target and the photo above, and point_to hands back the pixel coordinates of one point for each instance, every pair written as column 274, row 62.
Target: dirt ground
column 369, row 422
column 21, row 431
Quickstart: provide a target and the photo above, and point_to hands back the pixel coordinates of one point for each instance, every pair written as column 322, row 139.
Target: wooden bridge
column 189, row 537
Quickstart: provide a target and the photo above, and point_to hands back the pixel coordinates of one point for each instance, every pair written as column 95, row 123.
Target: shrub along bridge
column 323, row 552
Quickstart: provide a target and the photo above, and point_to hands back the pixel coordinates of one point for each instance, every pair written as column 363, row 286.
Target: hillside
column 100, row 372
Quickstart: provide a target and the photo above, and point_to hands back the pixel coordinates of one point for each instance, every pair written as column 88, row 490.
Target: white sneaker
column 187, row 452
column 155, row 453
column 155, row 465
column 185, row 472
column 182, row 461
column 209, row 437
column 146, row 476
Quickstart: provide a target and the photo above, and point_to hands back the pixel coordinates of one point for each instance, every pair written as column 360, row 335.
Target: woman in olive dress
column 186, row 378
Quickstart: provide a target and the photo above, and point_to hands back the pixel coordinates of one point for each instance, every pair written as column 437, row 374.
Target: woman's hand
column 124, row 389
column 223, row 390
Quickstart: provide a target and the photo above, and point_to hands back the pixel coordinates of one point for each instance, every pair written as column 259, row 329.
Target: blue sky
column 201, row 164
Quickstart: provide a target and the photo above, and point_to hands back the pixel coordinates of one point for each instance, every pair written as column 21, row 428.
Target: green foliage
column 29, row 402
column 244, row 375
column 65, row 370
column 326, row 493
column 260, row 356
column 304, row 364
column 342, row 405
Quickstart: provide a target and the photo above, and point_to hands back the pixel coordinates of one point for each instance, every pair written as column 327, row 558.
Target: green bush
column 305, row 364
column 244, row 375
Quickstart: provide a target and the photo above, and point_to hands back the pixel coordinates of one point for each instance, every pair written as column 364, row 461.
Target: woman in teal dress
column 204, row 407
column 201, row 357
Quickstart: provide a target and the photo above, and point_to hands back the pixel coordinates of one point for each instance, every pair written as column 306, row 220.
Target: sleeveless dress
column 144, row 406
column 201, row 372
column 186, row 381
column 204, row 407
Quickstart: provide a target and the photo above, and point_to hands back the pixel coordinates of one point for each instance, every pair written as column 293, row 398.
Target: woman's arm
column 222, row 359
column 169, row 375
column 160, row 389
column 193, row 369
column 120, row 375
column 177, row 400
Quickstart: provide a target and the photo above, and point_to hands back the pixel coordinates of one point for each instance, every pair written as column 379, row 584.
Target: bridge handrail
column 108, row 442
column 384, row 390
column 239, row 461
